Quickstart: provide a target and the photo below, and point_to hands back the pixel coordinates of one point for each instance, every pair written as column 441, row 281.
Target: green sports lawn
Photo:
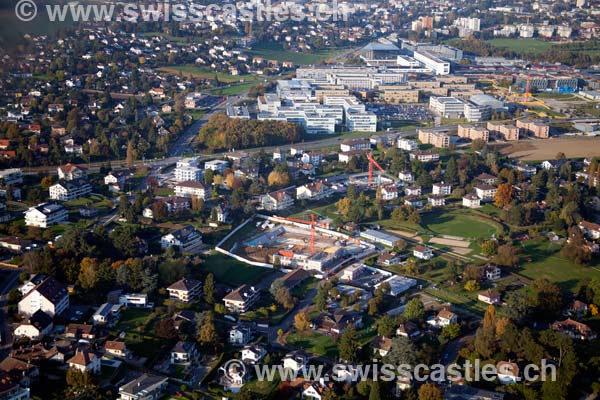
column 459, row 223
column 547, row 262
column 231, row 272
column 521, row 45
column 274, row 51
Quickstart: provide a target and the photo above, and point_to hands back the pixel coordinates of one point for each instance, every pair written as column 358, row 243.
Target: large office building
column 432, row 62
column 477, row 112
column 447, row 107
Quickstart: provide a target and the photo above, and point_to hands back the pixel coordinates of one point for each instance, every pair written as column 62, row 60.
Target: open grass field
column 232, row 272
column 539, row 150
column 547, row 262
column 314, row 342
column 459, row 223
column 202, row 73
column 274, row 51
column 521, row 45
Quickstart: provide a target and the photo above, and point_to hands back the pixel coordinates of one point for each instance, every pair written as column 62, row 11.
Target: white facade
column 45, row 215
column 433, row 63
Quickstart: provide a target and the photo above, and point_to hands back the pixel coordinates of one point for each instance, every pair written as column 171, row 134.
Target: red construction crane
column 372, row 163
column 313, row 223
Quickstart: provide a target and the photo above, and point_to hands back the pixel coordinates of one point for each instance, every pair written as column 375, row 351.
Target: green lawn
column 314, row 342
column 202, row 73
column 458, row 223
column 232, row 272
column 234, row 89
column 274, row 51
column 133, row 318
column 547, row 262
column 521, row 45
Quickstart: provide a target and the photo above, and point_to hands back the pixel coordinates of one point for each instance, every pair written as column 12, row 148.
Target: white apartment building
column 477, row 112
column 361, row 121
column 191, row 189
column 46, row 214
column 187, row 170
column 447, row 107
column 433, row 63
column 216, row 165
column 50, row 296
column 407, row 144
column 69, row 190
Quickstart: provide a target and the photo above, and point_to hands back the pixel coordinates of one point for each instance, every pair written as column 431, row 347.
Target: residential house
column 465, row 392
column 413, row 190
column 575, row 329
column 233, row 376
column 107, row 314
column 69, row 190
column 485, row 192
column 240, row 335
column 471, row 201
column 423, row 253
column 442, row 189
column 14, row 243
column 253, row 354
column 216, row 165
column 46, row 214
column 145, row 387
column 241, row 299
column 116, row 348
column 338, row 321
column 489, row 297
column 590, row 229
column 443, row 318
column 185, row 290
column 424, row 156
column 85, row 361
column 70, row 172
column 413, row 201
column 26, row 372
column 381, row 345
column 276, row 201
column 192, row 189
column 115, row 179
column 406, row 176
column 186, row 238
column 355, row 144
column 408, row 330
column 492, row 272
column 486, row 179
column 294, row 278
column 388, row 258
column 508, row 372
column 314, row 191
column 436, row 200
column 295, row 361
column 50, row 296
column 37, row 326
column 315, row 390
column 223, row 213
column 80, row 331
column 184, row 352
column 388, row 192
column 577, row 308
column 134, row 300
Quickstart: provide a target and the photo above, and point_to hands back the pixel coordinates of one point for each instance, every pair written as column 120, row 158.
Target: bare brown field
column 450, row 242
column 548, row 149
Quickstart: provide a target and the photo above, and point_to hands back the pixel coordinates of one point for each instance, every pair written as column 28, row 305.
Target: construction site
column 295, row 243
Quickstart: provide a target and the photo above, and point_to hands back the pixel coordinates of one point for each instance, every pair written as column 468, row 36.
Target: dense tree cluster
column 224, row 133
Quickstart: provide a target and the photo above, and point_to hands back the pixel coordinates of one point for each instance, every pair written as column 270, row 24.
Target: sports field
column 274, row 51
column 539, row 150
column 459, row 223
column 202, row 73
column 521, row 45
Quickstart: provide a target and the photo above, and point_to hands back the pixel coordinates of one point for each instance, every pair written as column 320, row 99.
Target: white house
column 406, row 176
column 508, row 372
column 192, row 188
column 69, row 190
column 85, row 361
column 471, row 201
column 443, row 319
column 116, row 348
column 46, row 214
column 253, row 354
column 186, row 238
column 134, row 300
column 145, row 387
column 36, row 327
column 423, row 253
column 413, row 190
column 185, row 290
column 107, row 314
column 314, row 191
column 295, row 361
column 240, row 335
column 489, row 297
column 389, row 192
column 492, row 272
column 241, row 299
column 276, row 201
column 183, row 353
column 50, row 296
column 216, row 165
column 485, row 192
column 435, row 200
column 442, row 189
column 590, row 229
column 70, row 172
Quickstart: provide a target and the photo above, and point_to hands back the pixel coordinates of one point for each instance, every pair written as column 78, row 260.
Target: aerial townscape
column 183, row 203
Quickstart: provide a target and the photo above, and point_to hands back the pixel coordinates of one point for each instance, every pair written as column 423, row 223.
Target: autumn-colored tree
column 471, row 285
column 504, row 195
column 88, row 269
column 47, row 181
column 130, row 157
column 430, row 391
column 343, row 206
column 301, row 321
column 278, row 179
